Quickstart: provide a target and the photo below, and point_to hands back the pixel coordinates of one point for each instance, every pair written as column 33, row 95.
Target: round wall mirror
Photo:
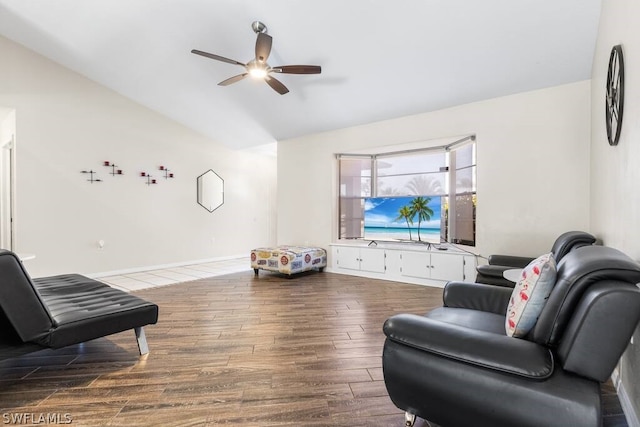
column 210, row 190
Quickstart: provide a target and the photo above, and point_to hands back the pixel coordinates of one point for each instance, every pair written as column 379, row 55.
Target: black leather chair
column 456, row 366
column 492, row 273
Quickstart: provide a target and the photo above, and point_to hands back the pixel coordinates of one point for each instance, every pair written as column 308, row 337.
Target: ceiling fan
column 258, row 67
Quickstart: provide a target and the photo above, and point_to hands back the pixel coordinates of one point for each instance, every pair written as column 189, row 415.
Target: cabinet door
column 447, row 267
column 470, row 272
column 372, row 260
column 349, row 258
column 416, row 264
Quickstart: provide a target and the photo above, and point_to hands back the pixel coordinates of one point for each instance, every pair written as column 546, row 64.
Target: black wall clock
column 615, row 94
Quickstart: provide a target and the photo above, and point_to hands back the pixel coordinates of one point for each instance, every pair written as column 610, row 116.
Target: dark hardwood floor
column 234, row 350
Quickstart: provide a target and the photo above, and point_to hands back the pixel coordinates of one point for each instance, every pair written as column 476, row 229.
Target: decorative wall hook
column 167, row 172
column 113, row 167
column 91, row 174
column 149, row 178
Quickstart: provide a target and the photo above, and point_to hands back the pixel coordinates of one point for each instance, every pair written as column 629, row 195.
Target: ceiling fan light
column 258, row 73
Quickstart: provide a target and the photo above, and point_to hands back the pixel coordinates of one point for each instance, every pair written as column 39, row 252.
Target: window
column 355, row 185
column 462, row 226
column 426, row 195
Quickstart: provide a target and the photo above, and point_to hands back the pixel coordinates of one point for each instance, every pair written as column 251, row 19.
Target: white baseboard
column 625, row 401
column 164, row 266
column 389, row 278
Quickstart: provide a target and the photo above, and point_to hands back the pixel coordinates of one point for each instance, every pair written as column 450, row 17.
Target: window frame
column 348, row 231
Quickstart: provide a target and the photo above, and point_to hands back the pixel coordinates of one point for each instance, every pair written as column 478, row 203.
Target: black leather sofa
column 492, row 272
column 58, row 311
column 456, row 366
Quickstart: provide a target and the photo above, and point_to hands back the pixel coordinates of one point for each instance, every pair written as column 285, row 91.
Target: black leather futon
column 57, row 311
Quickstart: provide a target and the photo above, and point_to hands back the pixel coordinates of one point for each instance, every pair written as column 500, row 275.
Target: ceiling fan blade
column 217, row 57
column 297, row 69
column 276, row 85
column 263, row 47
column 233, row 79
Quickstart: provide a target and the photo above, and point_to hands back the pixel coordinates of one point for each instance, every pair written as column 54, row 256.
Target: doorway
column 7, row 179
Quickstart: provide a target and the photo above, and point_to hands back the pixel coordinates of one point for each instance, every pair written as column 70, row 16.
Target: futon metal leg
column 409, row 419
column 142, row 341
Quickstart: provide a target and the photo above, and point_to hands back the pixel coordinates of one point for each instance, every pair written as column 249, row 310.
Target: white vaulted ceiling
column 380, row 59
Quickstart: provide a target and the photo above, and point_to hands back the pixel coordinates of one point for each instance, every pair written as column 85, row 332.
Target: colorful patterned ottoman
column 288, row 259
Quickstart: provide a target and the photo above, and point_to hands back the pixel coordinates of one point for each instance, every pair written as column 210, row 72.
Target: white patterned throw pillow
column 529, row 295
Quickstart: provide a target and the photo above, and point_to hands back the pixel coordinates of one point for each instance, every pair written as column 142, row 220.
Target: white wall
column 615, row 171
column 533, row 168
column 66, row 123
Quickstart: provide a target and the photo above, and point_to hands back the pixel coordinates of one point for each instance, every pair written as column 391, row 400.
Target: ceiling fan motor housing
column 258, row 27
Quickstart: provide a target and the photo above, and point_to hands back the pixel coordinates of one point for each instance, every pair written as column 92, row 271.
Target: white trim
column 625, row 401
column 419, row 144
column 405, row 280
column 164, row 266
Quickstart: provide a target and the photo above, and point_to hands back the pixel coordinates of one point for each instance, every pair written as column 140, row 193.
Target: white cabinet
column 403, row 263
column 361, row 259
column 432, row 265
